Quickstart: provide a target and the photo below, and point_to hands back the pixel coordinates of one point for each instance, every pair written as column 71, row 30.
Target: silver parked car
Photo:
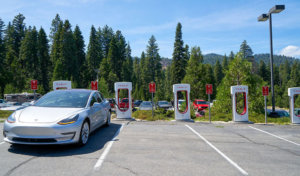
column 146, row 105
column 59, row 117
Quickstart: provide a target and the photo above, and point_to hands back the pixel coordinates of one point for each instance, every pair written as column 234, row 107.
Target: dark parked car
column 164, row 105
column 137, row 103
column 281, row 113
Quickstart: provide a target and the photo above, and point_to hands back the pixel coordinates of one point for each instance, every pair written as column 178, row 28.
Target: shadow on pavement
column 96, row 142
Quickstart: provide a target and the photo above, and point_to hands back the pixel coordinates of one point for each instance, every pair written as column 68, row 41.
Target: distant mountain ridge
column 212, row 58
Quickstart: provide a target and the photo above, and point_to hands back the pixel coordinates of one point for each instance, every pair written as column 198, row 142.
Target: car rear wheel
column 84, row 134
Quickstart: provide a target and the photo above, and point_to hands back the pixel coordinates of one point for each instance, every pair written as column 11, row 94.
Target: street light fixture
column 265, row 17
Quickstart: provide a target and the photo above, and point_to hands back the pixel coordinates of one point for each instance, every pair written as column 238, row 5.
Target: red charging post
column 209, row 91
column 34, row 86
column 94, row 85
column 152, row 89
column 265, row 92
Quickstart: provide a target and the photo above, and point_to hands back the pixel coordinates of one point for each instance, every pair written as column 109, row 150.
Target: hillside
column 212, row 59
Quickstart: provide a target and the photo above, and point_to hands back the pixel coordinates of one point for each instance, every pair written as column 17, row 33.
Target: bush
column 4, row 114
column 158, row 115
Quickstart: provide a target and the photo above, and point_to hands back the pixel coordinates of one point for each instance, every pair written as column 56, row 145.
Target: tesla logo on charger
column 240, row 89
column 123, row 85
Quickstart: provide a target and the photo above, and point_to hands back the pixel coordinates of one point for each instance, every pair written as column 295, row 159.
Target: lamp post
column 265, row 17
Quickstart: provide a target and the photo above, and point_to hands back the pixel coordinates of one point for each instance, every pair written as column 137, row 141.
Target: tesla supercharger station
column 239, row 117
column 186, row 115
column 123, row 113
column 292, row 92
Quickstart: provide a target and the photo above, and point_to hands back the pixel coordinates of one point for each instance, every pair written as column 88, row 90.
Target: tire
column 84, row 133
column 108, row 119
column 202, row 113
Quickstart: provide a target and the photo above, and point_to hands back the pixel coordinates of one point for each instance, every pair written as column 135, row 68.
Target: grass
column 253, row 117
column 158, row 115
column 4, row 115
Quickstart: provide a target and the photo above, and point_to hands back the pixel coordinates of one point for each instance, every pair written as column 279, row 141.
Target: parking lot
column 164, row 148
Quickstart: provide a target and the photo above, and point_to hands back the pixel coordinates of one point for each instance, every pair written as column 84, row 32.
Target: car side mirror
column 96, row 104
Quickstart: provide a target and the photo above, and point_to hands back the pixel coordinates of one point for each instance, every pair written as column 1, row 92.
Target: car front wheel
column 84, row 134
column 108, row 119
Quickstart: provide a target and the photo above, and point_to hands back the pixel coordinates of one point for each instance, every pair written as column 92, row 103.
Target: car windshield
column 201, row 102
column 180, row 101
column 163, row 102
column 147, row 103
column 70, row 99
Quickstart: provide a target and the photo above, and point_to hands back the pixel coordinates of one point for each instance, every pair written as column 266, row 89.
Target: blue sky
column 217, row 26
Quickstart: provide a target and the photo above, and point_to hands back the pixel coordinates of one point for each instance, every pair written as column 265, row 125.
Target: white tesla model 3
column 59, row 117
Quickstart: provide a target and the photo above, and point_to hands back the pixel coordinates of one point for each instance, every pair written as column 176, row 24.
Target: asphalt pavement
column 164, row 148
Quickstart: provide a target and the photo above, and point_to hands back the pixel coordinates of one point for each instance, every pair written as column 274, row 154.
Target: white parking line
column 217, row 150
column 274, row 135
column 2, row 143
column 107, row 149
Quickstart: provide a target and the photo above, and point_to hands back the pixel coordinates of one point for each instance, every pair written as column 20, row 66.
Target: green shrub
column 158, row 115
column 4, row 114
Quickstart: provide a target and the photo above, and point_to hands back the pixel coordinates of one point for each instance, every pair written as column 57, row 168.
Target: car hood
column 34, row 114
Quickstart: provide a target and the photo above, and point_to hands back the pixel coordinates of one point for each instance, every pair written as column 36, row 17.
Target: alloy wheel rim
column 85, row 133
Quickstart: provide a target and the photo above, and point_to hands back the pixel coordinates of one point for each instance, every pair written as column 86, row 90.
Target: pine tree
column 231, row 56
column 67, row 56
column 152, row 63
column 3, row 66
column 121, row 54
column 218, row 73
column 225, row 63
column 107, row 35
column 103, row 88
column 94, row 54
column 81, row 60
column 178, row 63
column 168, row 84
column 56, row 47
column 263, row 72
column 144, row 78
column 44, row 59
column 246, row 50
column 195, row 74
column 56, row 22
column 284, row 73
column 239, row 73
column 29, row 56
column 127, row 68
column 19, row 32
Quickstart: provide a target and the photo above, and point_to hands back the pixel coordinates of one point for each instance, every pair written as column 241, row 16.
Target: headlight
column 69, row 120
column 11, row 118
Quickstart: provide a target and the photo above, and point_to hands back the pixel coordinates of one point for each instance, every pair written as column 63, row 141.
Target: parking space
column 256, row 152
column 164, row 148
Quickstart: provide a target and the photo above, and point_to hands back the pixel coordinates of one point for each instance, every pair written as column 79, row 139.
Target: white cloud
column 293, row 51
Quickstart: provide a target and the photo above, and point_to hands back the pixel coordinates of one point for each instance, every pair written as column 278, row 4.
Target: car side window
column 99, row 100
column 93, row 100
column 101, row 96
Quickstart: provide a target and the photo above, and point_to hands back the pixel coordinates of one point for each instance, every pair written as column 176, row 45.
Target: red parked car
column 200, row 105
column 124, row 104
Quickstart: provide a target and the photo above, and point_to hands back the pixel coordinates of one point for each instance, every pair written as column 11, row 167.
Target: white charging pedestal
column 123, row 114
column 292, row 92
column 237, row 117
column 186, row 115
